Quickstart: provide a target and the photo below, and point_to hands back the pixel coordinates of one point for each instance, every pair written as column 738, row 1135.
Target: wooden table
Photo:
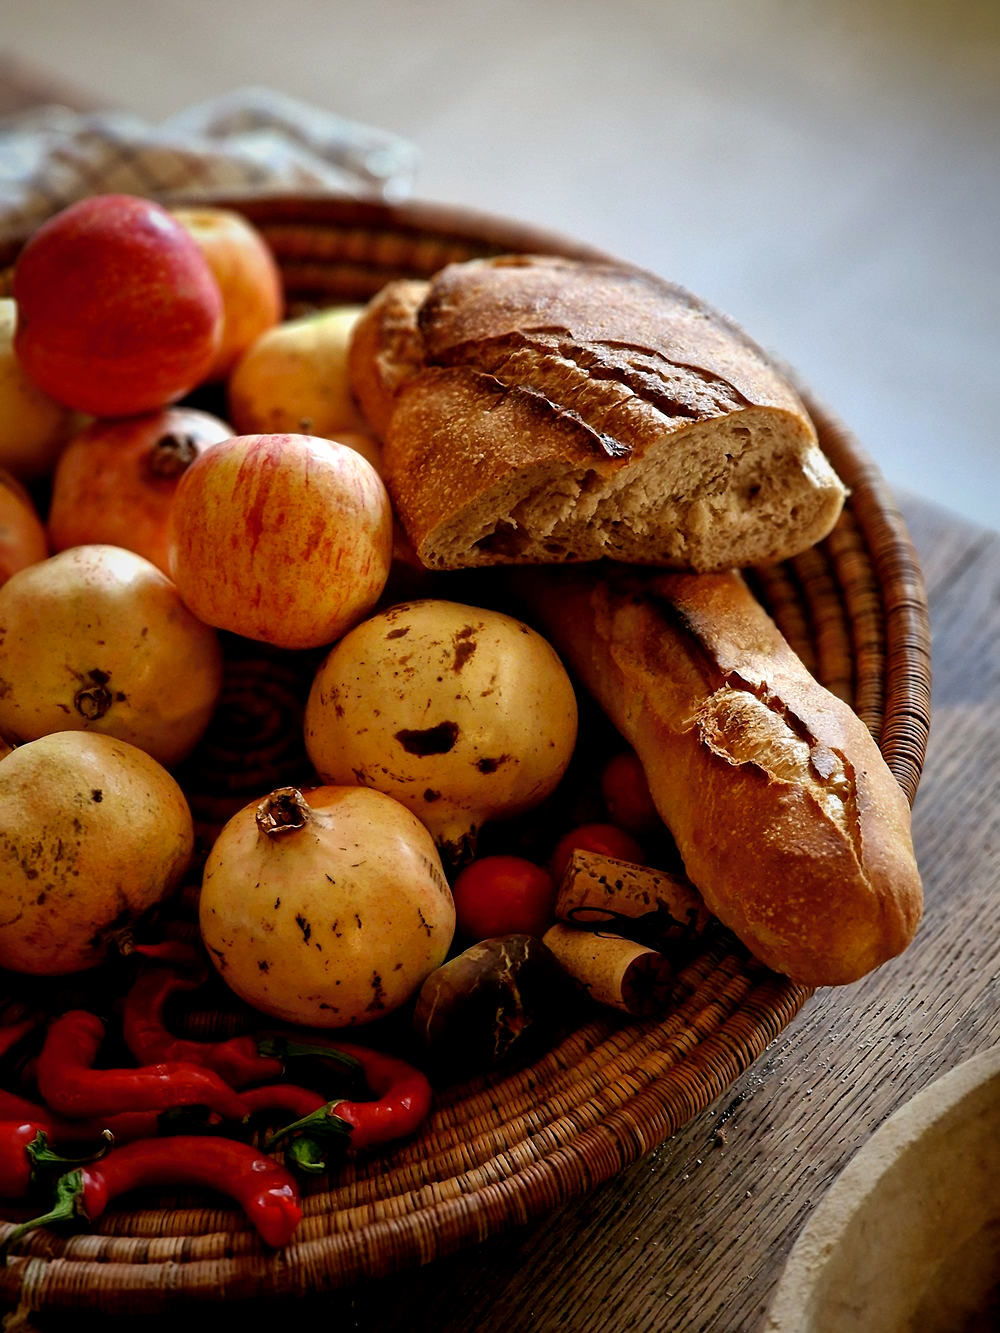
column 693, row 1237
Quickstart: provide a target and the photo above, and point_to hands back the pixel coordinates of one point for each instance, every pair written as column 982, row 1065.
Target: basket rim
column 414, row 216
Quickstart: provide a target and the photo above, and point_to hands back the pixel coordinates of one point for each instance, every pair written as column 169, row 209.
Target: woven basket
column 499, row 1150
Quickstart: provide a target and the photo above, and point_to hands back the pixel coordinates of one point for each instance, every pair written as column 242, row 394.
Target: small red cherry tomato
column 503, row 895
column 605, row 839
column 625, row 792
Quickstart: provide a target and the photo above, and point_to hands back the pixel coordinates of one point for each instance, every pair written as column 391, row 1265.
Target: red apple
column 285, row 539
column 118, row 311
column 115, row 481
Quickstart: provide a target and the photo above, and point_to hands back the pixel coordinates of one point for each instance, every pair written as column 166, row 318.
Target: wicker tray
column 499, row 1151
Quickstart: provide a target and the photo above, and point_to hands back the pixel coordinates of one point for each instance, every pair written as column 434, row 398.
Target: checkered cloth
column 252, row 141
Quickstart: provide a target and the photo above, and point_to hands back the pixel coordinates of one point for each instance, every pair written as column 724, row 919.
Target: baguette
column 787, row 818
column 545, row 410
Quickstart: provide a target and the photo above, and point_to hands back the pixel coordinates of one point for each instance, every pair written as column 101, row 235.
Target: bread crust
column 788, row 820
column 541, row 409
column 386, row 349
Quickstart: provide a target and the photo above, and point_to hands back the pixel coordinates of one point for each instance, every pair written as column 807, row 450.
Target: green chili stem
column 42, row 1155
column 287, row 1048
column 320, row 1125
column 68, row 1193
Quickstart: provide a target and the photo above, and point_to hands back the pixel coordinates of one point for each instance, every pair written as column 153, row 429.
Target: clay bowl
column 908, row 1238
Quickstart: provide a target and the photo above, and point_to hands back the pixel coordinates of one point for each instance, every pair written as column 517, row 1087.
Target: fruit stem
column 92, row 702
column 283, row 811
column 172, row 454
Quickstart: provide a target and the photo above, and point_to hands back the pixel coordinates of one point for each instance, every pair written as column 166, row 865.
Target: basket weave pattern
column 501, row 1150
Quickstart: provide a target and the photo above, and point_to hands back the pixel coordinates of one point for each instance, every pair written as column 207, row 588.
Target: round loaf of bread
column 536, row 409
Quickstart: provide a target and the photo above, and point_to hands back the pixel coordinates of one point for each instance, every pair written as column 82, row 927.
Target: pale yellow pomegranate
column 327, row 906
column 93, row 833
column 22, row 533
column 462, row 714
column 98, row 639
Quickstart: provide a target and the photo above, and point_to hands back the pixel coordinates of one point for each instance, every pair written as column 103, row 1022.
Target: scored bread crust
column 536, row 409
column 787, row 818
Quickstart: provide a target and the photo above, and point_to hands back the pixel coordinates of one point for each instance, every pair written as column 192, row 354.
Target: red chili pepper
column 316, row 1123
column 16, row 1167
column 403, row 1098
column 402, row 1103
column 288, row 1098
column 177, row 953
column 237, row 1060
column 265, row 1189
column 23, row 1148
column 70, row 1085
column 124, row 1127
